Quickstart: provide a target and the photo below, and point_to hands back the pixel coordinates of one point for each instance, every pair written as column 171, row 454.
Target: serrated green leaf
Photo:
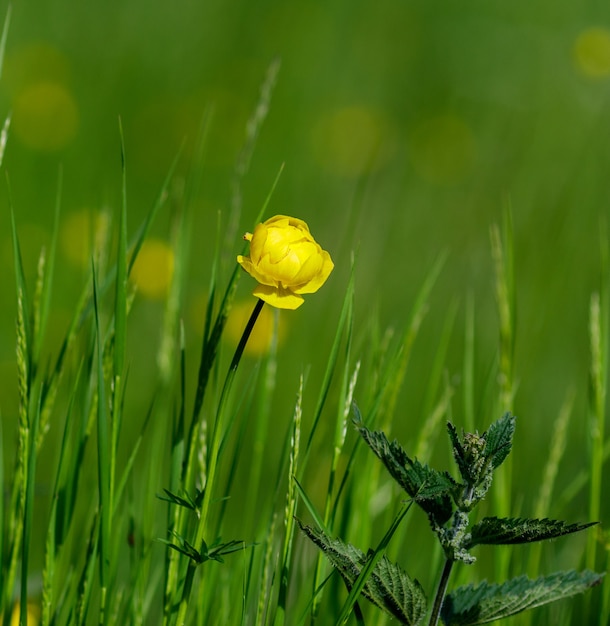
column 470, row 605
column 499, row 439
column 502, row 531
column 430, row 489
column 473, row 464
column 459, row 454
column 388, row 587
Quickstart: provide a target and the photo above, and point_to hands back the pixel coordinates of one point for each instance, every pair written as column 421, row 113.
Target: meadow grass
column 158, row 522
column 106, row 559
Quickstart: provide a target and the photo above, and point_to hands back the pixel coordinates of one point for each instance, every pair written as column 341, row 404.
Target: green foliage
column 448, row 504
column 388, row 586
column 495, row 531
column 430, row 489
column 470, row 605
column 84, row 449
column 184, row 500
column 478, row 455
column 214, row 552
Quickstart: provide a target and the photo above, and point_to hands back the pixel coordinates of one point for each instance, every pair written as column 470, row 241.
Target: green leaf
column 373, row 558
column 388, row 587
column 185, row 500
column 501, row 531
column 470, row 605
column 430, row 489
column 215, row 552
column 468, row 466
column 184, row 547
column 499, row 439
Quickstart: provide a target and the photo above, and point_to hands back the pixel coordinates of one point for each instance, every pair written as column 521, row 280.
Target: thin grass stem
column 103, row 463
column 212, row 462
column 502, row 252
column 599, row 320
column 290, row 509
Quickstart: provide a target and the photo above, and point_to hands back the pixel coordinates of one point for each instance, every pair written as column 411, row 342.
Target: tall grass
column 161, row 523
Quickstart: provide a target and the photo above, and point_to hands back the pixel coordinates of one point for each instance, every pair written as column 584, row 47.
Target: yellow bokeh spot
column 34, row 62
column 592, row 52
column 33, row 611
column 153, row 269
column 351, row 140
column 45, row 116
column 442, row 149
column 261, row 338
column 262, row 334
column 83, row 234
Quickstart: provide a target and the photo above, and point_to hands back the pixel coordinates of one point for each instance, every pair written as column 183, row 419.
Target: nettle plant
column 448, row 504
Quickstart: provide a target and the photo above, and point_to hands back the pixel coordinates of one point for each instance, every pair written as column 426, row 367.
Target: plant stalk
column 440, row 593
column 215, row 442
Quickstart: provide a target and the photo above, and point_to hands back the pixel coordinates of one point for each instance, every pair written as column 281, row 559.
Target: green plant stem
column 440, row 593
column 213, row 460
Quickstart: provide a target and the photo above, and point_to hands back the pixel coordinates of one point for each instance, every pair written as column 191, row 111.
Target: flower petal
column 311, row 264
column 317, row 281
column 257, row 243
column 278, row 297
column 247, row 264
column 286, row 261
column 284, row 220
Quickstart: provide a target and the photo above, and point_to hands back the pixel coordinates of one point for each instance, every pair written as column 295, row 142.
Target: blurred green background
column 406, row 128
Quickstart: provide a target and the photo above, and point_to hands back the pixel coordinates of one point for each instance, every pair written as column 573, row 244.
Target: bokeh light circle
column 351, row 140
column 592, row 52
column 153, row 269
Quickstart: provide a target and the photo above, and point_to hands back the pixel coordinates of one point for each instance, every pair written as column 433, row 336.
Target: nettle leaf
column 470, row 457
column 459, row 453
column 501, row 531
column 430, row 489
column 499, row 439
column 388, row 587
column 470, row 605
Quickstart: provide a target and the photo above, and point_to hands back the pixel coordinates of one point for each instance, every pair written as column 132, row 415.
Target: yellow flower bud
column 286, row 261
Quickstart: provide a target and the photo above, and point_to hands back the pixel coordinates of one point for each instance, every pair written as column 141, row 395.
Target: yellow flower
column 286, row 261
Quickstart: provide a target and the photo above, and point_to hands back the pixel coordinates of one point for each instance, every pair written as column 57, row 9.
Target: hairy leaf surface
column 470, row 605
column 499, row 439
column 388, row 587
column 430, row 489
column 501, row 531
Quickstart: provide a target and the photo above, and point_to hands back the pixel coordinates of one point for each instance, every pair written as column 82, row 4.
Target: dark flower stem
column 258, row 307
column 440, row 593
column 214, row 449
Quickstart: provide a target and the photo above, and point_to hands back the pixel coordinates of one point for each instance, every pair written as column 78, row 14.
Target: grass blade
column 599, row 319
column 103, row 462
column 290, row 509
